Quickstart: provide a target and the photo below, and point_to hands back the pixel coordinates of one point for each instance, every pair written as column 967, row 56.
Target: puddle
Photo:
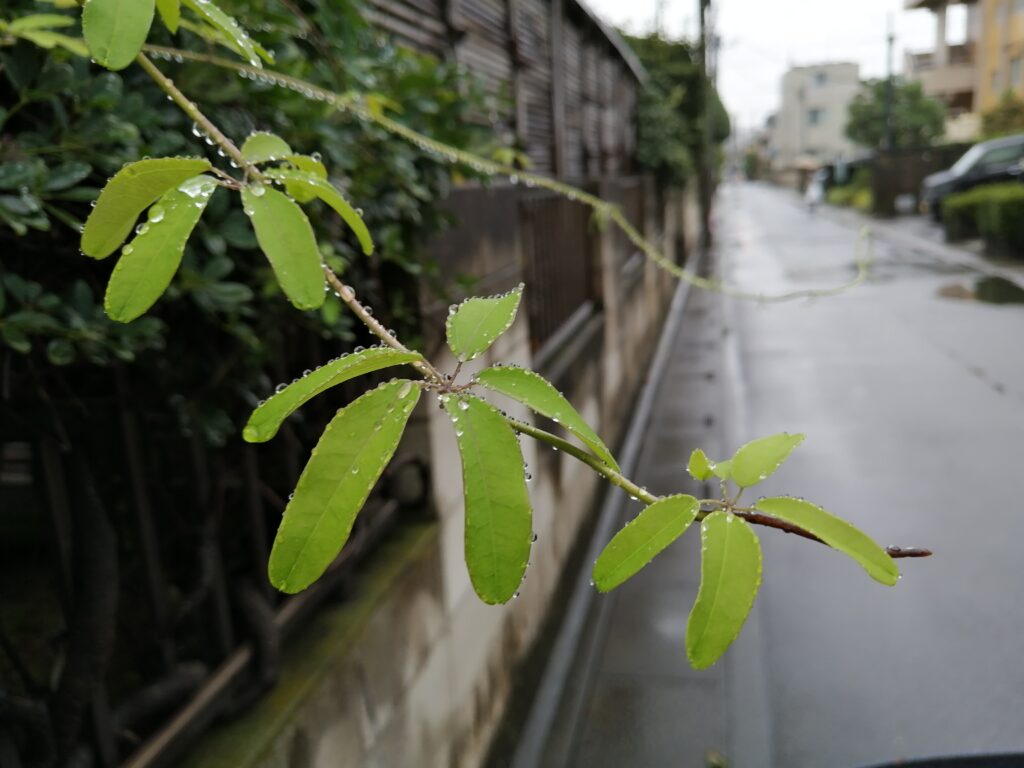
column 991, row 290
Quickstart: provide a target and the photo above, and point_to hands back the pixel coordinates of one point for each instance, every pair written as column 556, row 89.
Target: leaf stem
column 621, row 481
column 348, row 298
column 189, row 108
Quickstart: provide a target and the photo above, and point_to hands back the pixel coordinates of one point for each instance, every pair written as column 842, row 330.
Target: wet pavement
column 911, row 392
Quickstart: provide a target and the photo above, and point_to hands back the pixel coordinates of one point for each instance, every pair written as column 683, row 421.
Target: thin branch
column 189, row 108
column 638, row 492
column 348, row 297
column 780, row 525
column 351, row 103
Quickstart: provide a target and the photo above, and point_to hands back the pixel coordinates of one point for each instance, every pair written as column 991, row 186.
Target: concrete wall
column 415, row 670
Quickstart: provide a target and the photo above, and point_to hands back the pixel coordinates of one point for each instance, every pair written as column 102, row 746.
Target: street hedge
column 995, row 213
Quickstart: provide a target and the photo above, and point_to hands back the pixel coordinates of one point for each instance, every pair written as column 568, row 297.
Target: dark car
column 985, row 163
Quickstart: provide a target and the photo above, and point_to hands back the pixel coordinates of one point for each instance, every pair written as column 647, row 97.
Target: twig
column 348, row 297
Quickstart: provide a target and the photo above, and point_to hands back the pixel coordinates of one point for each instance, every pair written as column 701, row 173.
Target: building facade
column 1001, row 49
column 810, row 126
column 971, row 77
column 950, row 72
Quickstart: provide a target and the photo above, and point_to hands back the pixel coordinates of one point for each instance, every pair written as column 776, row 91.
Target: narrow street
column 912, row 398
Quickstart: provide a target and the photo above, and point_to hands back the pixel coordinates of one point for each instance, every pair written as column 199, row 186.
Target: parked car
column 985, row 163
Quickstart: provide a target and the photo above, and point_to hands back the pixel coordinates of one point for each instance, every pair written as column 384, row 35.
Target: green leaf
column 730, row 574
column 263, row 147
column 39, row 21
column 475, row 324
column 133, row 189
column 60, row 352
column 213, row 15
column 311, row 184
column 309, row 164
column 66, row 175
column 722, row 469
column 650, row 532
column 287, row 239
column 756, row 460
column 48, row 40
column 267, row 419
column 115, row 30
column 835, row 532
column 534, row 391
column 149, row 262
column 699, row 466
column 342, row 470
column 170, row 13
column 498, row 515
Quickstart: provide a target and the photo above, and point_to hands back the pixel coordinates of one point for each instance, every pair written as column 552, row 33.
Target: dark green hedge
column 66, row 126
column 995, row 213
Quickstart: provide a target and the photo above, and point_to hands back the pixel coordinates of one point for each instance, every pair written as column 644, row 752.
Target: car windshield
column 970, row 158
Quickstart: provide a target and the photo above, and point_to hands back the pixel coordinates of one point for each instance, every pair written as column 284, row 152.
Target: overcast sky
column 762, row 38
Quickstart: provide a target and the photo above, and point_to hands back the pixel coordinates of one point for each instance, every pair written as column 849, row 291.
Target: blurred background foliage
column 66, row 126
column 670, row 112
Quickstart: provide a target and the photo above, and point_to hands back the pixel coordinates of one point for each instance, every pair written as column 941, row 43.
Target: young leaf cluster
column 175, row 191
column 730, row 550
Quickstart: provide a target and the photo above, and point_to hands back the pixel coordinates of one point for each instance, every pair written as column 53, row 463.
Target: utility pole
column 659, row 18
column 706, row 162
column 889, row 142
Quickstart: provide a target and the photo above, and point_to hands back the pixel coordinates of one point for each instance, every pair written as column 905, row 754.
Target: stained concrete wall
column 415, row 670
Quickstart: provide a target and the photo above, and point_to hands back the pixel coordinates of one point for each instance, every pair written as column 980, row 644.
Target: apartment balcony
column 951, row 77
column 913, row 5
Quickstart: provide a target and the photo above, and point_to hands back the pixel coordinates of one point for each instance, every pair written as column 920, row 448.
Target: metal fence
column 558, row 256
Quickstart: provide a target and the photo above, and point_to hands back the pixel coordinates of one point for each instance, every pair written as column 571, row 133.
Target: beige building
column 1001, row 49
column 810, row 126
column 950, row 72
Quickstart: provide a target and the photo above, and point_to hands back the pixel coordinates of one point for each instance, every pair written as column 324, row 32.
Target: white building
column 810, row 126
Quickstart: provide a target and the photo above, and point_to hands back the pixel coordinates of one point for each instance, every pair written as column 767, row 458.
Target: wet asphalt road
column 914, row 409
column 913, row 404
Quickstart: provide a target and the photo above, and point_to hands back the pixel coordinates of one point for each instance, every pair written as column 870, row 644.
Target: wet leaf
column 310, row 184
column 498, row 515
column 835, row 532
column 730, row 575
column 699, row 466
column 534, row 391
column 170, row 13
column 264, row 147
column 267, row 419
column 342, row 471
column 654, row 529
column 133, row 189
column 39, row 21
column 759, row 459
column 215, row 17
column 44, row 38
column 287, row 239
column 475, row 324
column 115, row 30
column 149, row 262
column 722, row 469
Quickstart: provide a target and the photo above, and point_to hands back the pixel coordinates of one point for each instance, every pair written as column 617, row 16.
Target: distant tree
column 1005, row 119
column 671, row 112
column 917, row 120
column 752, row 165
